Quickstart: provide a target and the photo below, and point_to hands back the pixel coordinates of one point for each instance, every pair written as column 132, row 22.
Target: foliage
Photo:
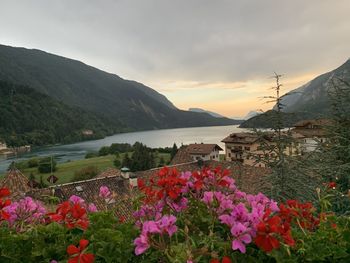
column 173, row 151
column 47, row 165
column 86, row 173
column 30, row 117
column 91, row 155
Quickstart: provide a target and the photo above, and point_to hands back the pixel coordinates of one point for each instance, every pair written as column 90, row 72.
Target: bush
column 45, row 164
column 91, row 155
column 33, row 162
column 103, row 151
column 86, row 173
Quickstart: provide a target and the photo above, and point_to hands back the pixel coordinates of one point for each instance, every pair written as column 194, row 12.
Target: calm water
column 158, row 138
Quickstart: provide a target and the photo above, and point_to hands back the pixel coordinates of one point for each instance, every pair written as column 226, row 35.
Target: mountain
column 306, row 102
column 313, row 96
column 123, row 103
column 214, row 114
column 30, row 117
column 251, row 114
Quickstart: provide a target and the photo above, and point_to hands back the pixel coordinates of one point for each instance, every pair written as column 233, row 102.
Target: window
column 229, row 154
column 247, row 148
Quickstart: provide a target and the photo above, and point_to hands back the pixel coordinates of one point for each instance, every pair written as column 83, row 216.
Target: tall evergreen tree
column 173, row 151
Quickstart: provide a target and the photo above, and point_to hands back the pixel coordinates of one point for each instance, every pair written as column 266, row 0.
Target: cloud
column 187, row 44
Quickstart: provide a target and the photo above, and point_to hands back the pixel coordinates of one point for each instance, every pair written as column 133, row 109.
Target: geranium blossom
column 78, row 255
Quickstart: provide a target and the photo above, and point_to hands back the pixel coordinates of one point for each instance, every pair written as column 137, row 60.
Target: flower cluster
column 24, row 213
column 170, row 191
column 72, row 215
column 78, row 255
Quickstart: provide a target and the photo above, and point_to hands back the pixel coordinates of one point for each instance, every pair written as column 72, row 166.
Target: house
column 246, row 147
column 204, row 152
column 3, row 146
column 87, row 132
column 311, row 133
column 239, row 147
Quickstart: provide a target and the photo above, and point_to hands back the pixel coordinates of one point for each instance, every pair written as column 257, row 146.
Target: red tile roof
column 203, row 148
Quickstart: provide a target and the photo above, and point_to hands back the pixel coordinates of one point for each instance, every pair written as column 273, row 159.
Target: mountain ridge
column 77, row 84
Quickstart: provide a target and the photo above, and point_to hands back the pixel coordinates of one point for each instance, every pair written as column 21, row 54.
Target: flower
column 167, row 224
column 76, row 199
column 77, row 254
column 92, row 208
column 332, row 185
column 104, row 192
column 239, row 231
column 142, row 244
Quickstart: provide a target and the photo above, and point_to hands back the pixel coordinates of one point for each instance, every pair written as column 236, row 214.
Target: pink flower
column 104, row 192
column 167, row 224
column 239, row 231
column 208, row 197
column 76, row 199
column 150, row 227
column 142, row 244
column 92, row 208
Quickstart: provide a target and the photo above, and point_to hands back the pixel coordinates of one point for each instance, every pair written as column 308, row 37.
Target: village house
column 88, row 132
column 246, row 147
column 311, row 133
column 239, row 147
column 204, row 152
column 3, row 146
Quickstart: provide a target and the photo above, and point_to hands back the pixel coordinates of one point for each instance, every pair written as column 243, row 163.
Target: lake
column 153, row 139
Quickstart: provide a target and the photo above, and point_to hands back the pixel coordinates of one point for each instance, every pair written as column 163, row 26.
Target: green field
column 65, row 171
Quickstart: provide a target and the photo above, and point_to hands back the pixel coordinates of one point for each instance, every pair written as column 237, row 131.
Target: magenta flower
column 142, row 244
column 104, row 192
column 167, row 224
column 150, row 227
column 208, row 197
column 239, row 231
column 76, row 199
column 92, row 208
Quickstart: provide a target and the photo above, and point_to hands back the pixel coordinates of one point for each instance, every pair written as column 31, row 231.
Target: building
column 246, row 147
column 88, row 132
column 240, row 147
column 204, row 152
column 311, row 133
column 3, row 146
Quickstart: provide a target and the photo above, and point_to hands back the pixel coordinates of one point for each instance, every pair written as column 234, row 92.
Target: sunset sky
column 215, row 55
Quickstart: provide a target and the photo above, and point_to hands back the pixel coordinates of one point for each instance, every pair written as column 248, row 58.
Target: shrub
column 46, row 165
column 103, row 151
column 85, row 173
column 91, row 155
column 33, row 162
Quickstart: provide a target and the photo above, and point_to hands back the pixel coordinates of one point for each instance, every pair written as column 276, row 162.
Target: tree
column 47, row 165
column 161, row 161
column 126, row 162
column 332, row 161
column 117, row 163
column 288, row 178
column 173, row 151
column 103, row 151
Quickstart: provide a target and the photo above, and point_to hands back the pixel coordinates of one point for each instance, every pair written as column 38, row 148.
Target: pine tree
column 288, row 179
column 173, row 151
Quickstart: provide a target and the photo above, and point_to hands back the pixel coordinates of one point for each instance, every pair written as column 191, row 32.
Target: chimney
column 125, row 172
column 133, row 180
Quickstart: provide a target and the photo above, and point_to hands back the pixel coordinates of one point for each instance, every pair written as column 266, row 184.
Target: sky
column 216, row 55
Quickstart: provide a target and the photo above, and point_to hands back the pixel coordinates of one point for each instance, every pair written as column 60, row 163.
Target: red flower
column 332, row 185
column 3, row 203
column 266, row 234
column 77, row 254
column 4, row 192
column 72, row 215
column 224, row 260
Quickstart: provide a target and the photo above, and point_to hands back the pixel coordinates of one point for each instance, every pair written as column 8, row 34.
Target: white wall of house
column 214, row 155
column 3, row 146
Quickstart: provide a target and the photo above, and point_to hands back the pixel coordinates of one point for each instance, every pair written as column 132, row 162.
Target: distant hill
column 124, row 103
column 214, row 114
column 30, row 117
column 306, row 102
column 251, row 114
